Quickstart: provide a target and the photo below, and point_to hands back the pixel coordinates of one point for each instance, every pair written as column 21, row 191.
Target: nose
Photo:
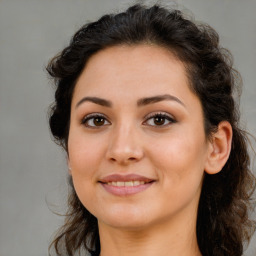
column 124, row 146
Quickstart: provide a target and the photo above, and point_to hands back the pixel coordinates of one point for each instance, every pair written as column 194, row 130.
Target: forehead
column 143, row 70
column 134, row 58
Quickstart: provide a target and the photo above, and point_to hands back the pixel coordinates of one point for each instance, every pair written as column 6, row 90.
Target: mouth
column 131, row 183
column 124, row 185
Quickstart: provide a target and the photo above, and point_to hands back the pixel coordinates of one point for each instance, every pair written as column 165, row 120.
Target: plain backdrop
column 32, row 168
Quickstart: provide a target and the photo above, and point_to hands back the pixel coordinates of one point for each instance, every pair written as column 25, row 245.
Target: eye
column 159, row 119
column 95, row 120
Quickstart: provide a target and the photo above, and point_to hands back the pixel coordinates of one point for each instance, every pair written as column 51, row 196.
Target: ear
column 69, row 168
column 219, row 148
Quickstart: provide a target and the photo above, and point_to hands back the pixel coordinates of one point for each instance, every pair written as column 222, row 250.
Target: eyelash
column 161, row 115
column 92, row 117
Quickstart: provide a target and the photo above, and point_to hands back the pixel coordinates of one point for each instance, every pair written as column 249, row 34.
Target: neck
column 166, row 238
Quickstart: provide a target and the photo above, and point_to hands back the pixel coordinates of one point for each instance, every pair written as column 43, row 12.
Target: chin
column 128, row 219
column 128, row 226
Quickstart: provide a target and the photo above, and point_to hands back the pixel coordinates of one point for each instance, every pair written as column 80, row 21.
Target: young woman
column 158, row 164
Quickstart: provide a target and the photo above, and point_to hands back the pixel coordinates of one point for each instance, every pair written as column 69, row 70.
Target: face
column 137, row 147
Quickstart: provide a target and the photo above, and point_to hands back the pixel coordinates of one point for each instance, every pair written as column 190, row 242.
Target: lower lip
column 126, row 191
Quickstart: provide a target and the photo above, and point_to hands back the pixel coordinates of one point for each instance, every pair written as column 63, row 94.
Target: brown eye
column 98, row 121
column 95, row 121
column 160, row 119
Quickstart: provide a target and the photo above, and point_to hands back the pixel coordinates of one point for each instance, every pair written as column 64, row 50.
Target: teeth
column 126, row 183
column 136, row 183
column 120, row 183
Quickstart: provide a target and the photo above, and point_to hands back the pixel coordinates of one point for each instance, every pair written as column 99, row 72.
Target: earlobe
column 219, row 148
column 69, row 168
column 69, row 171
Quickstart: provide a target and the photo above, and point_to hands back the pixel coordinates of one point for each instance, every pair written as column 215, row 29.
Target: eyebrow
column 140, row 102
column 96, row 100
column 158, row 98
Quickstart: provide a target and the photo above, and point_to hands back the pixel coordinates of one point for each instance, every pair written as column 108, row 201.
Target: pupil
column 98, row 121
column 159, row 120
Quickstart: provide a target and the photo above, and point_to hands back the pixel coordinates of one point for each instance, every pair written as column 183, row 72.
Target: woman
column 158, row 164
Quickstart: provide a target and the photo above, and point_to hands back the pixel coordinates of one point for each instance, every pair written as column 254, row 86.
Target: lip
column 125, row 190
column 127, row 177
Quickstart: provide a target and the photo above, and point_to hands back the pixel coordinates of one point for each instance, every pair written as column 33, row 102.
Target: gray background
column 32, row 168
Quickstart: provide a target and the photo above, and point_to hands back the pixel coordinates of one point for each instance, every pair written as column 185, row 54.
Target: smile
column 131, row 183
column 125, row 185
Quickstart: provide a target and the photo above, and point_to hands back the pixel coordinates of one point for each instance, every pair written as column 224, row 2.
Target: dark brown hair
column 223, row 224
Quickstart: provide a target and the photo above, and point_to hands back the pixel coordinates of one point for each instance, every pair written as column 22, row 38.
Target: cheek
column 83, row 160
column 180, row 163
column 84, row 152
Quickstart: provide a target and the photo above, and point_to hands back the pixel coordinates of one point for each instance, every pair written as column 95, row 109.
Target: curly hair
column 223, row 223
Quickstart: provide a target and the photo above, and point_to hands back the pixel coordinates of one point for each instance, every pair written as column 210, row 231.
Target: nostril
column 123, row 160
column 124, row 155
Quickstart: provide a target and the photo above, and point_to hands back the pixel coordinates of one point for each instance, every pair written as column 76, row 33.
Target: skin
column 160, row 220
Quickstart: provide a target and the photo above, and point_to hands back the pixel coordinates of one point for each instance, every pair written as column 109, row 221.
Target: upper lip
column 127, row 177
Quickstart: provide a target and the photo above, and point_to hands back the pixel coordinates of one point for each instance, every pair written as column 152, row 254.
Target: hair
column 223, row 223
